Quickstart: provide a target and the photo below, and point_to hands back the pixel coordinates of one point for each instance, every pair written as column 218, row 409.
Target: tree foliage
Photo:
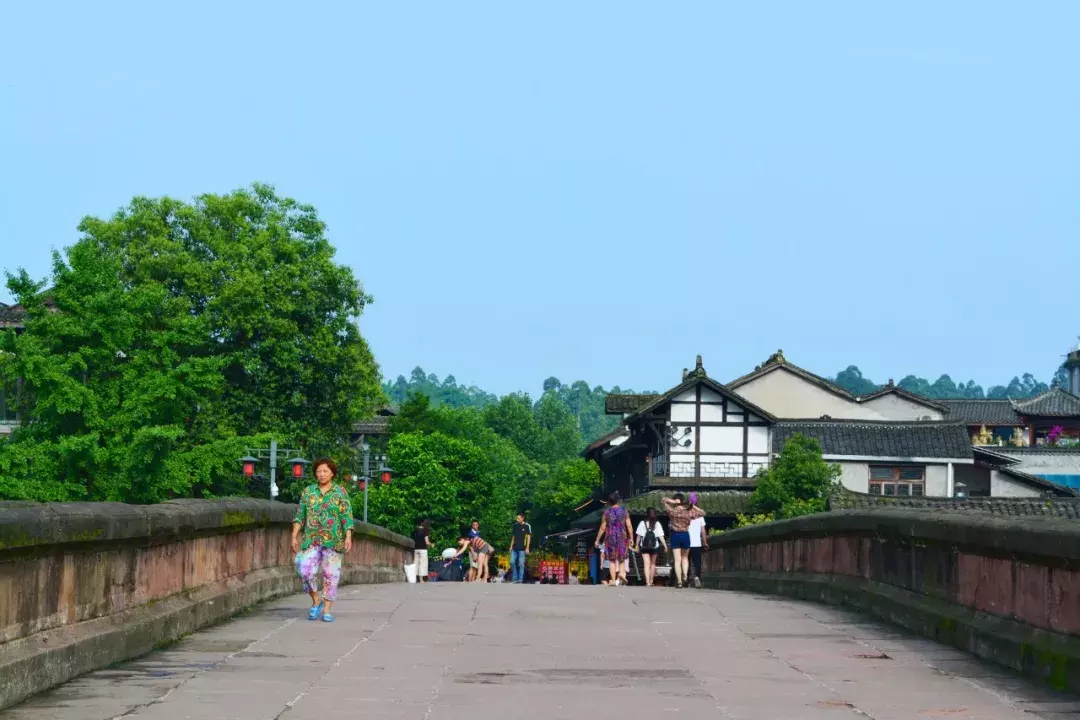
column 440, row 392
column 798, row 482
column 530, row 449
column 563, row 489
column 449, row 480
column 945, row 388
column 172, row 332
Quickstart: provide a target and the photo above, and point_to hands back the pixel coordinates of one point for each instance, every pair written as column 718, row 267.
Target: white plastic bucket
column 410, row 572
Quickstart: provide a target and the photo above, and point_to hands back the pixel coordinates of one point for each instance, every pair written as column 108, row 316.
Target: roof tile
column 882, row 439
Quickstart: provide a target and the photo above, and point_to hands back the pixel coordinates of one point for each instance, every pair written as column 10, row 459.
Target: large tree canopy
column 171, row 330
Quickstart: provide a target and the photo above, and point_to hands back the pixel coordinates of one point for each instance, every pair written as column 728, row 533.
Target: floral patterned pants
column 308, row 563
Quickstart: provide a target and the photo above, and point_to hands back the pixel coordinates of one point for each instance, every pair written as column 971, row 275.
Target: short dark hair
column 614, row 498
column 679, row 497
column 327, row 462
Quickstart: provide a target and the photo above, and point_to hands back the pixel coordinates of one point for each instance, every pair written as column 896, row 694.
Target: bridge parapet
column 1004, row 589
column 85, row 585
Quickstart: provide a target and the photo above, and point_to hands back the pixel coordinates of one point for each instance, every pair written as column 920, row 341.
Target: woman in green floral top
column 325, row 516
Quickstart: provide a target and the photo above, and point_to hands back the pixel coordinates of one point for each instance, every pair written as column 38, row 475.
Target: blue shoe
column 315, row 612
column 328, row 618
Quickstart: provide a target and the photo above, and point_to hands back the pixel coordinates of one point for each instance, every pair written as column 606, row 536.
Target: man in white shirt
column 698, row 542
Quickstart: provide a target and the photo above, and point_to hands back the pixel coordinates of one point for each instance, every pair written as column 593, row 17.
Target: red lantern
column 363, row 485
column 385, row 477
column 249, row 469
column 297, row 470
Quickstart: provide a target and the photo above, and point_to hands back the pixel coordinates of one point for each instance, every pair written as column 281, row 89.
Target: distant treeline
column 587, row 403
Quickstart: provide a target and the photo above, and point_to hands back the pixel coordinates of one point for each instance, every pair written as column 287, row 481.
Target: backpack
column 649, row 541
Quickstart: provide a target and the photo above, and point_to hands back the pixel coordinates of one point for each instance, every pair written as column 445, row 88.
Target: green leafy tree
column 512, row 417
column 445, row 392
column 853, row 381
column 798, row 482
column 450, row 481
column 563, row 489
column 944, row 388
column 173, row 330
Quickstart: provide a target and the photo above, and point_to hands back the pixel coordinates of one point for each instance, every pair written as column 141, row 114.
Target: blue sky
column 597, row 190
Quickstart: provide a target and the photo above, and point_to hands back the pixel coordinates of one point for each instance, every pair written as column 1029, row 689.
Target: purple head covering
column 693, row 498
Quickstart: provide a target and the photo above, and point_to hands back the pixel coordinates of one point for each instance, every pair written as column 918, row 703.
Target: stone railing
column 85, row 585
column 1004, row 589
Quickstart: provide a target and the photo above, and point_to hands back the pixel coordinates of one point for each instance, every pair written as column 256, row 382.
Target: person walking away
column 519, row 548
column 422, row 543
column 616, row 531
column 696, row 531
column 650, row 538
column 483, row 550
column 679, row 517
column 325, row 517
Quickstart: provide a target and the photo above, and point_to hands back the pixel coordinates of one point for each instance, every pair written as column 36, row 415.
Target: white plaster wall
column 687, row 395
column 855, row 476
column 708, row 395
column 786, row 395
column 683, row 413
column 712, row 413
column 894, row 407
column 723, row 439
column 758, row 440
column 937, row 481
column 1002, row 485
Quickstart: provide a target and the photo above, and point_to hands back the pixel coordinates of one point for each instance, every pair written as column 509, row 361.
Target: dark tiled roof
column 378, row 425
column 777, row 360
column 11, row 316
column 692, row 379
column 982, row 412
column 880, row 439
column 714, row 502
column 1060, row 507
column 1037, row 482
column 1055, row 402
column 619, row 404
column 992, row 456
column 1019, row 453
column 601, row 442
column 906, row 394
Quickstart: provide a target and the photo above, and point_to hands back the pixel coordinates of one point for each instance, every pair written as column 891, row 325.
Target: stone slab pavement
column 451, row 651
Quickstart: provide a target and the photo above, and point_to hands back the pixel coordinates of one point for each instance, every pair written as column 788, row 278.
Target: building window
column 897, row 481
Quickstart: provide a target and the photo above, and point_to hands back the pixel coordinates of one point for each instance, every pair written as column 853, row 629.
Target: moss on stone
column 238, row 517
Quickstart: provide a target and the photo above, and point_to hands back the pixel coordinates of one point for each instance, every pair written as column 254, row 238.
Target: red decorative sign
column 554, row 569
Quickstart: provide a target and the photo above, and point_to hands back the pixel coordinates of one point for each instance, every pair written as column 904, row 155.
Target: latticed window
column 903, row 481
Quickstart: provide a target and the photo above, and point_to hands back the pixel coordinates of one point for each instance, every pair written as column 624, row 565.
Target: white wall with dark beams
column 714, row 436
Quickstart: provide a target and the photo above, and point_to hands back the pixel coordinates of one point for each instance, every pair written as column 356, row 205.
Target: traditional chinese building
column 713, row 438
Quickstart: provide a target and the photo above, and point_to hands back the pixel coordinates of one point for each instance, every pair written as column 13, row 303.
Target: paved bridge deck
column 455, row 651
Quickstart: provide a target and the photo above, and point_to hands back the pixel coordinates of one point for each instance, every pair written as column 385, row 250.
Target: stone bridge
column 155, row 613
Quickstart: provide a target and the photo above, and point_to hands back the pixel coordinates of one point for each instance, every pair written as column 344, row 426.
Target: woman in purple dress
column 616, row 531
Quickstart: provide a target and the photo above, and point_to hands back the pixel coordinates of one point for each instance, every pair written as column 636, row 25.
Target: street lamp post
column 253, row 456
column 365, row 478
